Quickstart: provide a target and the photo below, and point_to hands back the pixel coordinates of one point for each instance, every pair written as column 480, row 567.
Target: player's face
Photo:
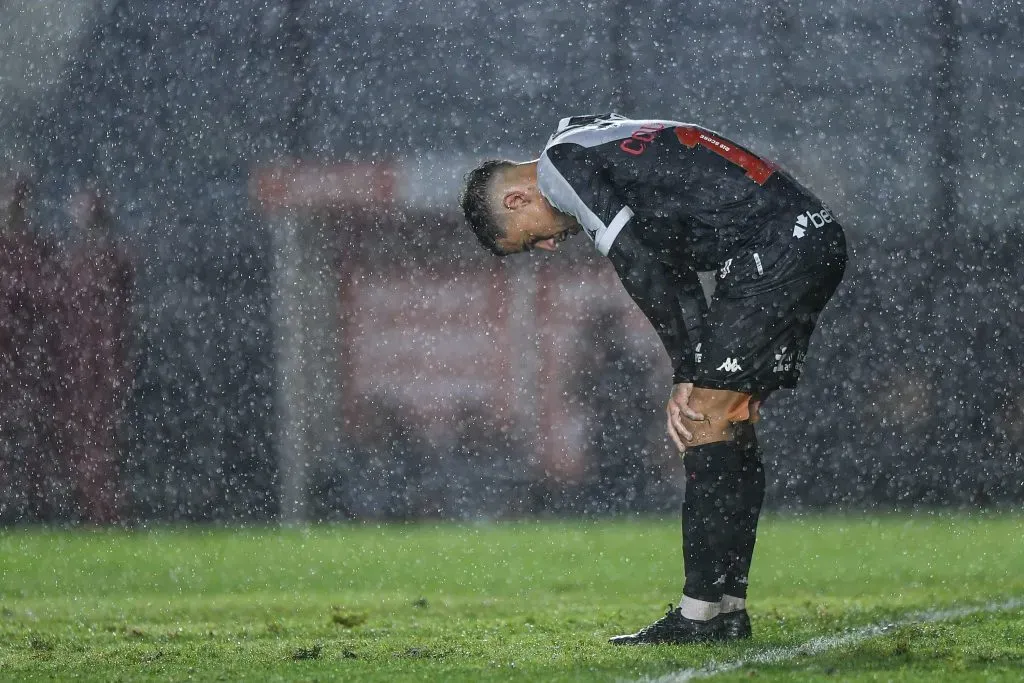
column 531, row 223
column 527, row 238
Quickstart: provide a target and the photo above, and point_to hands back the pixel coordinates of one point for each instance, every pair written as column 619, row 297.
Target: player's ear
column 515, row 199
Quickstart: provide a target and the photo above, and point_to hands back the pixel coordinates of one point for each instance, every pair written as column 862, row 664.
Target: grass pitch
column 508, row 601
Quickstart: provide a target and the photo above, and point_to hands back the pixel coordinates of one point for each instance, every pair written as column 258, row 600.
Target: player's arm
column 578, row 182
column 674, row 303
column 672, row 300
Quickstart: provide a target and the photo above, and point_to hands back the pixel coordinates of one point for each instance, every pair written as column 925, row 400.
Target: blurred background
column 234, row 284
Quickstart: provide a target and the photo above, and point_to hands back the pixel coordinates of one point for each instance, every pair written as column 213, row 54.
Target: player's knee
column 731, row 405
column 723, row 410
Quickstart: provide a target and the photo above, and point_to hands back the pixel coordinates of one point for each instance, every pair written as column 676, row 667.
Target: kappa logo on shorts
column 730, row 365
column 725, row 269
column 697, row 355
column 818, row 219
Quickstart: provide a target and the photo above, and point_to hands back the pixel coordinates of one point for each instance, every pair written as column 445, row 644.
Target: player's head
column 508, row 213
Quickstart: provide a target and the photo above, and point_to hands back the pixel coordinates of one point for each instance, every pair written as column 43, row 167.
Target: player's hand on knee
column 678, row 411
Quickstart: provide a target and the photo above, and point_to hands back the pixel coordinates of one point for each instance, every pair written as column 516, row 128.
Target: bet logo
column 811, row 218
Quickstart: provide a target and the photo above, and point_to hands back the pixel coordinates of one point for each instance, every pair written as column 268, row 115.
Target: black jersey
column 664, row 199
column 692, row 195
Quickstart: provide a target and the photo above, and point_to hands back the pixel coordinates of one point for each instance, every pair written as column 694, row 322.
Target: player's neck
column 525, row 171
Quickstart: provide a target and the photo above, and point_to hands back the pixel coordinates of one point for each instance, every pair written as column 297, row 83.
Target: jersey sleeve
column 575, row 181
column 672, row 300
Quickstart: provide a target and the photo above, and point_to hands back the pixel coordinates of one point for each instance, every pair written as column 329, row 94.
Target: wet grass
column 509, row 601
column 981, row 647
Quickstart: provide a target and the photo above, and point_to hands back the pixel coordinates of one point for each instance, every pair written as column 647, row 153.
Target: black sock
column 710, row 510
column 750, row 482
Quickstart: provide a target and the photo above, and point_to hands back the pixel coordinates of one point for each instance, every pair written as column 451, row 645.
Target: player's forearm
column 692, row 307
column 656, row 289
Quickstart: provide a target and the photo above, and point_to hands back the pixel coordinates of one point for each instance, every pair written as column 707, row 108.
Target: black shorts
column 767, row 299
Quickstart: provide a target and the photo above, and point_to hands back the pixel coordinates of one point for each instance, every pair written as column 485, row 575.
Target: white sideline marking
column 821, row 644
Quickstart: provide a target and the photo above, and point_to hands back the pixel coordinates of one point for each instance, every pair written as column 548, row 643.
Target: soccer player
column 663, row 200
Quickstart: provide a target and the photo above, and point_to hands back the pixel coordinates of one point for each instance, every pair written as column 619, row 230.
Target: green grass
column 508, row 601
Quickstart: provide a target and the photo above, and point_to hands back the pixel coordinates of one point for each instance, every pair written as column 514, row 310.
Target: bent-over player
column 663, row 200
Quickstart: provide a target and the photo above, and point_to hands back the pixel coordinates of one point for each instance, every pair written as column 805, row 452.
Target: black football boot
column 673, row 628
column 734, row 625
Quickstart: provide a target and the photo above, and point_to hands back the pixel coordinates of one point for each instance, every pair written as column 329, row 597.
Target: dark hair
column 476, row 204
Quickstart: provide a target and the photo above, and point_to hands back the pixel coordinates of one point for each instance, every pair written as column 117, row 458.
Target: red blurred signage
column 311, row 186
